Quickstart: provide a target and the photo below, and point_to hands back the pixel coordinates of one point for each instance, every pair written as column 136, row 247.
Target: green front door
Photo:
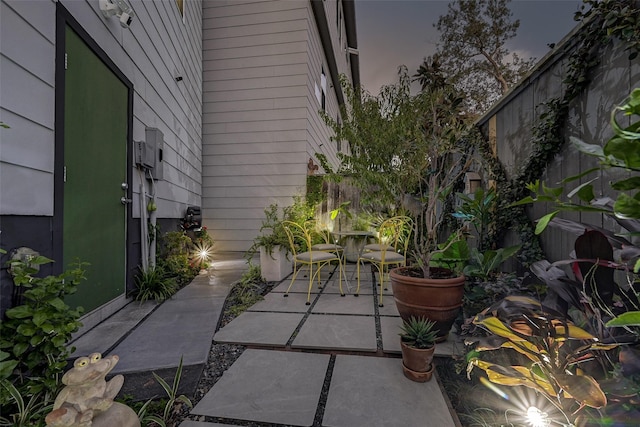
column 95, row 169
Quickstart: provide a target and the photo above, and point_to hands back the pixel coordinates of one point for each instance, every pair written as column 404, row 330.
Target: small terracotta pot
column 419, row 377
column 417, row 363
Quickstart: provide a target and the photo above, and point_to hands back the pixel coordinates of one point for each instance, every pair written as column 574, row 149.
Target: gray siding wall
column 159, row 45
column 261, row 61
column 515, row 115
column 27, row 88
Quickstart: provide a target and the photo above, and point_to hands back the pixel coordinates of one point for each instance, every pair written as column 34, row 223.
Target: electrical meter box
column 149, row 153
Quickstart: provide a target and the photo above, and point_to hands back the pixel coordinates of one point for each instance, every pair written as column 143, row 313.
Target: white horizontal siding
column 256, row 105
column 27, row 95
column 255, row 126
column 268, row 28
column 260, row 115
column 255, row 72
column 284, row 48
column 241, row 64
column 23, row 187
column 252, row 94
column 157, row 47
column 26, row 144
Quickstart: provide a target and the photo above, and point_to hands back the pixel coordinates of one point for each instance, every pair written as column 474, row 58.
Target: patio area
column 335, row 361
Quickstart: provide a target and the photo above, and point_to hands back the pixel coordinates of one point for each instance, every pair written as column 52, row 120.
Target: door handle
column 124, row 200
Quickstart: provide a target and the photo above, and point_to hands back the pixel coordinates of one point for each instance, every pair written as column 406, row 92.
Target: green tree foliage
column 472, row 50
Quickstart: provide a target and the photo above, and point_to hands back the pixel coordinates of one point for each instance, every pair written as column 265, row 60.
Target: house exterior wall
column 262, row 62
column 159, row 46
column 589, row 117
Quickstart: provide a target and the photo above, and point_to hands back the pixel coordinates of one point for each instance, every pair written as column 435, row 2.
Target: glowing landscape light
column 537, row 418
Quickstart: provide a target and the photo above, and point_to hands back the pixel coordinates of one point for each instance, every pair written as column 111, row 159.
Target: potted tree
column 408, row 152
column 417, row 342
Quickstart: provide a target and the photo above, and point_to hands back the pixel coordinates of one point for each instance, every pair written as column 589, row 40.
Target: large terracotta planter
column 417, row 364
column 439, row 300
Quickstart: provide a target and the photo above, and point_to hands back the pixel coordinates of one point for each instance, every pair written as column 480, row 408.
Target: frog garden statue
column 87, row 398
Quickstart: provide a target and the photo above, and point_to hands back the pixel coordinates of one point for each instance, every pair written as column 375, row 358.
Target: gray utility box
column 149, row 153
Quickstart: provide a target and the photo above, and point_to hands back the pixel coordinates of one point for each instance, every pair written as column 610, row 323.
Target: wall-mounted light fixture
column 473, row 182
column 120, row 8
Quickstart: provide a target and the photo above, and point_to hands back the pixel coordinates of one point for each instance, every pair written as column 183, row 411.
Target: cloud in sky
column 401, row 32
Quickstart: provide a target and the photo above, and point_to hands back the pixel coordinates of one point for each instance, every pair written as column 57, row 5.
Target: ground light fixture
column 537, row 418
column 526, row 407
column 202, row 253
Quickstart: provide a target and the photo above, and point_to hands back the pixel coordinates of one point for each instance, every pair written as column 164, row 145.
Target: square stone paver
column 268, row 386
column 348, row 304
column 389, row 307
column 373, row 391
column 390, row 328
column 453, row 346
column 299, row 286
column 335, row 332
column 293, row 303
column 333, row 286
column 365, row 286
column 260, row 328
column 189, row 423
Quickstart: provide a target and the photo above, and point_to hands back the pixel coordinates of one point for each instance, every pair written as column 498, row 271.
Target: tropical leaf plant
column 485, row 264
column 553, row 348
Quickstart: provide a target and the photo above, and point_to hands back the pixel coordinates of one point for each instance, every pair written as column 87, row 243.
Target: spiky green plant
column 153, row 284
column 418, row 332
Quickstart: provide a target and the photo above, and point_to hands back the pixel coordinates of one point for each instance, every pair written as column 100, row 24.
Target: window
column 323, row 88
column 339, row 141
column 180, row 4
column 339, row 20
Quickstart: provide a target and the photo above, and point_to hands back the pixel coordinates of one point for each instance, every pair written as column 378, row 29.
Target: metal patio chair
column 301, row 246
column 390, row 248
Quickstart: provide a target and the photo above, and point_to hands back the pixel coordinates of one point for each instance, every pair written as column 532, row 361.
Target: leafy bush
column 174, row 257
column 484, row 265
column 299, row 212
column 34, row 335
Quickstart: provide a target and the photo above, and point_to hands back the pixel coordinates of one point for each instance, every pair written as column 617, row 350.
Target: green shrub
column 34, row 335
column 174, row 257
column 154, row 284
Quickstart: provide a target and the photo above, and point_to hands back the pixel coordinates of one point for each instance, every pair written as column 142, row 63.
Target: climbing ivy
column 603, row 21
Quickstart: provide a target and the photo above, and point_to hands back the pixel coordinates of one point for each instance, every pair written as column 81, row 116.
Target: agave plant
column 418, row 332
column 553, row 348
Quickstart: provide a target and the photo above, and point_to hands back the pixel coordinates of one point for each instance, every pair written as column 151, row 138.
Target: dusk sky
column 396, row 32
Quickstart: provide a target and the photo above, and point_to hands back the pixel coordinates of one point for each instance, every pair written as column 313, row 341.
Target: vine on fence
column 603, row 21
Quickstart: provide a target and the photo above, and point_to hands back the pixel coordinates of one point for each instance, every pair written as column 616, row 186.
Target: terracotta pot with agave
column 410, row 151
column 417, row 342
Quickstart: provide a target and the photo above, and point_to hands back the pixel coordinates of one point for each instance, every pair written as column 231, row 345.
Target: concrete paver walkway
column 346, row 347
column 334, row 363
